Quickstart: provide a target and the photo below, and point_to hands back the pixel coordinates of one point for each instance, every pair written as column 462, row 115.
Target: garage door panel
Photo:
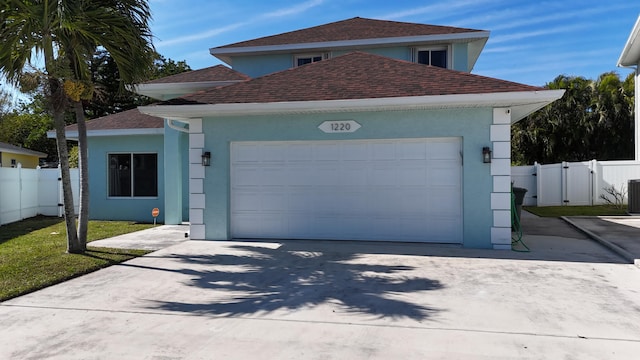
column 384, row 151
column 383, row 176
column 299, row 152
column 394, row 190
column 272, row 225
column 352, row 202
column 271, row 176
column 274, row 201
column 447, row 204
column 413, row 175
column 443, row 175
column 412, row 151
column 246, row 153
column 443, row 150
column 354, row 175
column 327, row 152
column 354, row 151
column 275, row 153
column 413, row 203
column 246, row 176
column 444, row 230
column 247, row 201
column 299, row 175
column 384, row 228
column 327, row 175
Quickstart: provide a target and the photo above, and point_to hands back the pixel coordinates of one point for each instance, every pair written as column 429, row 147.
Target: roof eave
column 522, row 103
column 168, row 91
column 73, row 134
column 475, row 48
column 225, row 53
column 25, row 152
column 630, row 55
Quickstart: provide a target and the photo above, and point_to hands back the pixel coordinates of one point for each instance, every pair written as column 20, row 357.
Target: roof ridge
column 356, row 28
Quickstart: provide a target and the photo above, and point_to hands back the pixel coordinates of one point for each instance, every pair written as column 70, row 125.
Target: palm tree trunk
column 69, row 212
column 83, row 164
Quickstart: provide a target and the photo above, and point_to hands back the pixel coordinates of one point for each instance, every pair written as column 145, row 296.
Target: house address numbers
column 339, row 126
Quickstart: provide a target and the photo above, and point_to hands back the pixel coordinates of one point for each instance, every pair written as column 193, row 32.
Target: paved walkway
column 155, row 238
column 619, row 233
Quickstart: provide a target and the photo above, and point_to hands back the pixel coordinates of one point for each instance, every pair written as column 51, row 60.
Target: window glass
column 439, row 58
column 432, row 57
column 145, row 179
column 303, row 61
column 307, row 59
column 423, row 57
column 120, row 175
column 133, row 175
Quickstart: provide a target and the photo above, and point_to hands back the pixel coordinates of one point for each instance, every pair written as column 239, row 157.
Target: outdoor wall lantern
column 206, row 158
column 486, row 155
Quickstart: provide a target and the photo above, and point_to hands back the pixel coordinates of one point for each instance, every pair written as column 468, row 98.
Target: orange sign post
column 155, row 212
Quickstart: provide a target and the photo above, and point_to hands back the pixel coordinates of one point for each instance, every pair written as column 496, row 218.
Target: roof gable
column 351, row 29
column 355, row 75
column 630, row 55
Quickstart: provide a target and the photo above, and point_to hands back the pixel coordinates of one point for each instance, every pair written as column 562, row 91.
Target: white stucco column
column 196, row 180
column 501, row 175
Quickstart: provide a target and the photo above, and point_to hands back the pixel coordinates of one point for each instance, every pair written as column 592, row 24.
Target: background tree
column 110, row 97
column 27, row 127
column 593, row 120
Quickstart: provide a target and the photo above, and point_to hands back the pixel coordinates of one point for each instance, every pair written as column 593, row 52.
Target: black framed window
column 434, row 57
column 133, row 175
column 304, row 59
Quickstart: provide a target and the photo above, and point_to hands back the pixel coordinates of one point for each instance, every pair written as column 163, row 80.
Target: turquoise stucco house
column 359, row 129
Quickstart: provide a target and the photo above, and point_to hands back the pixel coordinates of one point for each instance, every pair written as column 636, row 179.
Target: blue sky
column 531, row 42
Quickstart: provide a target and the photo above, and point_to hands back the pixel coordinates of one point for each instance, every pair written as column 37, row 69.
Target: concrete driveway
column 570, row 298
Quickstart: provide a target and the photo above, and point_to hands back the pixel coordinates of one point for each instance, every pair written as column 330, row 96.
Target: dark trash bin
column 518, row 194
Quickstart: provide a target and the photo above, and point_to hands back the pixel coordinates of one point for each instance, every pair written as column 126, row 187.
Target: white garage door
column 392, row 190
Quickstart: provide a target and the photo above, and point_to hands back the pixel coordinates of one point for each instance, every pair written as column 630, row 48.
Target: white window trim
column 132, row 196
column 414, row 53
column 323, row 55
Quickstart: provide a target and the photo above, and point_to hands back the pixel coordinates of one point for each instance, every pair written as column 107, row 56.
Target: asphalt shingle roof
column 129, row 119
column 6, row 147
column 213, row 73
column 356, row 75
column 351, row 29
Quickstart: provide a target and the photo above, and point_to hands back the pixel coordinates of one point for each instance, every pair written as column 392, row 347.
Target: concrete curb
column 606, row 243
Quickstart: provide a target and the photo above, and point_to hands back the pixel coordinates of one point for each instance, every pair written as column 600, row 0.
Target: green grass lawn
column 557, row 211
column 33, row 253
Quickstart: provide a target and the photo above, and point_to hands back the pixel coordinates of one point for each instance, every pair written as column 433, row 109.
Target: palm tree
column 65, row 34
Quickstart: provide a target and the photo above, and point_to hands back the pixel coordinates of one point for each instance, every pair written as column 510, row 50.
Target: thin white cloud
column 445, row 7
column 505, row 49
column 528, row 34
column 201, row 35
column 293, row 10
column 562, row 15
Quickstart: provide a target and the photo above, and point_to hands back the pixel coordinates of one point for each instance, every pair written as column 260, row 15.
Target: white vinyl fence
column 25, row 193
column 573, row 183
